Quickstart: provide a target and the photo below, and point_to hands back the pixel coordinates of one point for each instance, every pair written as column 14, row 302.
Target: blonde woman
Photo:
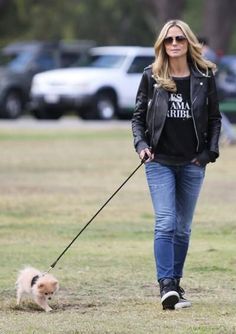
column 176, row 127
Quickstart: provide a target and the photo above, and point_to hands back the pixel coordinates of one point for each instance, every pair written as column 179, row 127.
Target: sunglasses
column 178, row 39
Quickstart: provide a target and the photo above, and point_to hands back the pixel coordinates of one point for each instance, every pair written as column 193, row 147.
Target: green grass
column 52, row 182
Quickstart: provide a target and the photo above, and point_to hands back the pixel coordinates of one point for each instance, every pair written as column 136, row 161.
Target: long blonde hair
column 160, row 67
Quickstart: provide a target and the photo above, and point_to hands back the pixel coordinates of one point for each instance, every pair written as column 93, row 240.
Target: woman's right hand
column 146, row 155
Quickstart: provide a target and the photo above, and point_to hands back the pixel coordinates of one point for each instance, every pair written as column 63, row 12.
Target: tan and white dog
column 39, row 285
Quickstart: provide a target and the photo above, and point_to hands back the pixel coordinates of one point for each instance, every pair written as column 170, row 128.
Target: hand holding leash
column 146, row 155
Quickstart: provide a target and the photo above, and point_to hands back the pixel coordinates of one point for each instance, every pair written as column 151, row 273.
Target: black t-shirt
column 178, row 142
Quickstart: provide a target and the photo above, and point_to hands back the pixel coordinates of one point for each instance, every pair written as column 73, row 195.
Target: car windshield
column 102, row 61
column 16, row 61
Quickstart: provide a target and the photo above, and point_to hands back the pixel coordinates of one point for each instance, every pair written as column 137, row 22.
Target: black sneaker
column 183, row 302
column 169, row 295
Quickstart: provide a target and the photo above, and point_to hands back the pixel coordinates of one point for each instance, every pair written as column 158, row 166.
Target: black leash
column 95, row 215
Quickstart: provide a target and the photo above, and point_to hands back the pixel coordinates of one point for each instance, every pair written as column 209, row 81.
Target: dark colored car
column 19, row 62
column 226, row 84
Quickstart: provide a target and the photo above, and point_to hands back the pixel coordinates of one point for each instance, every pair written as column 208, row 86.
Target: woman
column 176, row 127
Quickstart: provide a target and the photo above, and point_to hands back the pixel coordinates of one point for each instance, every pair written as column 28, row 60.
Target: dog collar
column 34, row 280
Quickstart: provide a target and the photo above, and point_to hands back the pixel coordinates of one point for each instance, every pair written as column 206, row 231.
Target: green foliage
column 193, row 14
column 132, row 22
column 106, row 21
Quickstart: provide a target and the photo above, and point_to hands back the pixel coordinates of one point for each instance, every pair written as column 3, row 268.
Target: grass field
column 52, row 182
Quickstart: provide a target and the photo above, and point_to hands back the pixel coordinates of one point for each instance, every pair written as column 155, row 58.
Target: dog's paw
column 48, row 309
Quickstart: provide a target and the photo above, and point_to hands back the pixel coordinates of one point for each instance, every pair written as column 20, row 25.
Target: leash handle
column 95, row 215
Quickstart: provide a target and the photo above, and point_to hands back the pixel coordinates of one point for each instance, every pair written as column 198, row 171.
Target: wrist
column 141, row 146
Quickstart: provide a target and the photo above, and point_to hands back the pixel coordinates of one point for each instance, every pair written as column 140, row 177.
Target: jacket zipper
column 155, row 95
column 153, row 102
column 194, row 123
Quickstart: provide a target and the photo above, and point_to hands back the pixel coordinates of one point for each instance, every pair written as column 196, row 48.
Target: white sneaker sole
column 182, row 304
column 170, row 299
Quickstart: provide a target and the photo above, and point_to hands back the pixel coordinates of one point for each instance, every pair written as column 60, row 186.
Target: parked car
column 104, row 89
column 226, row 85
column 19, row 62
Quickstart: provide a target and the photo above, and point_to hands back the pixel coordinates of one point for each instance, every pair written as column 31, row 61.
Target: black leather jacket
column 152, row 106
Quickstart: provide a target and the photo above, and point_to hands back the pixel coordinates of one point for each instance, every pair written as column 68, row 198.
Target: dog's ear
column 55, row 285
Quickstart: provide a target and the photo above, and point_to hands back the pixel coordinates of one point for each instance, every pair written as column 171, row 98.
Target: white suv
column 104, row 89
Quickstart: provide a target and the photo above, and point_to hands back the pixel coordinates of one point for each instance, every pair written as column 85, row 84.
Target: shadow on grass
column 31, row 307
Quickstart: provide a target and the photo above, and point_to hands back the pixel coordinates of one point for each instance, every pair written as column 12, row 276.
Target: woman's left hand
column 146, row 155
column 202, row 159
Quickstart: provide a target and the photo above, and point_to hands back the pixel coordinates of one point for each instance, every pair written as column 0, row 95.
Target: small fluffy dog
column 40, row 286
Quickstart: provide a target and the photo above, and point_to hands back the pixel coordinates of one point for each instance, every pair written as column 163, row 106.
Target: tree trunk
column 3, row 4
column 218, row 23
column 160, row 11
column 167, row 9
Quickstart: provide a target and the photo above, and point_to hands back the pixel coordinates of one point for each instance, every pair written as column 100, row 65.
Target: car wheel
column 12, row 105
column 105, row 106
column 47, row 113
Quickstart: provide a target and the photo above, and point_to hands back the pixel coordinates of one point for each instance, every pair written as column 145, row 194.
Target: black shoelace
column 180, row 291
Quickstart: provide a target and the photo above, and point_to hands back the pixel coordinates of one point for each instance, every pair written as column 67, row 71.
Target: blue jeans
column 174, row 191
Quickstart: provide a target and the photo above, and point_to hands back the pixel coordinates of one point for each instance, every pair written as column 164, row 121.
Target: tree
column 167, row 10
column 3, row 4
column 218, row 23
column 114, row 21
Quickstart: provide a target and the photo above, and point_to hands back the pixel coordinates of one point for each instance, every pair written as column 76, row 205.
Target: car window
column 45, row 61
column 106, row 61
column 139, row 63
column 68, row 59
column 21, row 61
